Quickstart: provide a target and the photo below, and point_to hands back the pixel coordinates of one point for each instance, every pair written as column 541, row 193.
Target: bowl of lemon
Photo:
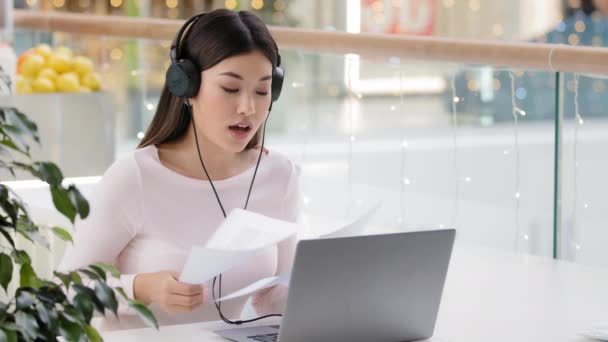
column 42, row 69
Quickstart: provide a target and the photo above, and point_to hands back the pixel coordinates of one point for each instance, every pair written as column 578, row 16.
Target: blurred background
column 439, row 144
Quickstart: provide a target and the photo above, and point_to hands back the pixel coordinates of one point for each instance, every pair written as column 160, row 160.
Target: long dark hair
column 213, row 37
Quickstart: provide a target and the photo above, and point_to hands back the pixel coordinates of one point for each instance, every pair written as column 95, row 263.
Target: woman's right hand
column 164, row 289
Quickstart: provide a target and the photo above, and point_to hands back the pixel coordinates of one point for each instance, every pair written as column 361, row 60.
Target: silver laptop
column 364, row 288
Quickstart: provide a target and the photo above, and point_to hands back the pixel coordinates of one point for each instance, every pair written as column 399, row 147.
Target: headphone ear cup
column 183, row 78
column 278, row 75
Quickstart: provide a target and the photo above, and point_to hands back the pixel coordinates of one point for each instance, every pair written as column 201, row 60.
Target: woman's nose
column 246, row 105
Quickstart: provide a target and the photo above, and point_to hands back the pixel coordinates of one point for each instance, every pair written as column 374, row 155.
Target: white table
column 490, row 295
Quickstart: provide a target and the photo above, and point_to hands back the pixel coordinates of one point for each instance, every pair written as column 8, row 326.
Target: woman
column 196, row 162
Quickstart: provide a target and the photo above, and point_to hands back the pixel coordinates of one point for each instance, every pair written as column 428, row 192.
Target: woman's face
column 233, row 100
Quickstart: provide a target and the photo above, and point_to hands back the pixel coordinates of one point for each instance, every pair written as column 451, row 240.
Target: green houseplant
column 43, row 310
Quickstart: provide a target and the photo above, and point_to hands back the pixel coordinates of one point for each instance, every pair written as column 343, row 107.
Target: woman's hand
column 164, row 289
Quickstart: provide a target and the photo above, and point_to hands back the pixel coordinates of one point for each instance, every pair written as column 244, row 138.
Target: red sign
column 415, row 17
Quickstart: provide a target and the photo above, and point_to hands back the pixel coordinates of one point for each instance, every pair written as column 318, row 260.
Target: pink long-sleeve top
column 145, row 217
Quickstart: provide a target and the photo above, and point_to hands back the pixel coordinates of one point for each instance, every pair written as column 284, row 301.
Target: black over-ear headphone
column 183, row 77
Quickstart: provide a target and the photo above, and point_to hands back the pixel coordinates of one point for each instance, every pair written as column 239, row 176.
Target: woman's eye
column 263, row 93
column 230, row 90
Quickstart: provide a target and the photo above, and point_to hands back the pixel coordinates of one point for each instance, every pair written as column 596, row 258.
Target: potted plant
column 40, row 309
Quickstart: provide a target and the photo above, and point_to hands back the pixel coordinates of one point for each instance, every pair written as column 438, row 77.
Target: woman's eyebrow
column 237, row 76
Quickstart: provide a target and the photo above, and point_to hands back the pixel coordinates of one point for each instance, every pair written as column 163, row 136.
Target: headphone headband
column 176, row 44
column 183, row 78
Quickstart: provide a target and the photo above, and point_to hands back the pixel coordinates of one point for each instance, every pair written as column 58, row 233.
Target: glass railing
column 440, row 144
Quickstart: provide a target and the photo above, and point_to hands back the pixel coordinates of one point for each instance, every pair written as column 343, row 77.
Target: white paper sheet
column 259, row 285
column 241, row 236
column 244, row 230
column 205, row 263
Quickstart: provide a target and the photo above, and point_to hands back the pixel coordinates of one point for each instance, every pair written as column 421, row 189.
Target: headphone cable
column 218, row 306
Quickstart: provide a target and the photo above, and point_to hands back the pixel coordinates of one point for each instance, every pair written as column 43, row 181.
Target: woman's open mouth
column 240, row 131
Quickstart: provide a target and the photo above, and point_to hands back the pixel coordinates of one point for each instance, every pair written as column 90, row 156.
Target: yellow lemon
column 32, row 64
column 44, row 50
column 49, row 73
column 82, row 65
column 64, row 51
column 68, row 82
column 84, row 89
column 60, row 62
column 43, row 85
column 92, row 81
column 23, row 85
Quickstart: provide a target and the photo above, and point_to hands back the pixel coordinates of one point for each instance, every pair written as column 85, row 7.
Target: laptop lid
column 367, row 288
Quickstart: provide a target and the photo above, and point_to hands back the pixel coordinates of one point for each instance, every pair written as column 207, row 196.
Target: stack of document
column 245, row 234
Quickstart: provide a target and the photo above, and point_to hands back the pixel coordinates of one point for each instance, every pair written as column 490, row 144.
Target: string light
column 516, row 112
column 58, row 3
column 454, row 127
column 257, row 4
column 230, row 4
column 150, row 107
column 116, row 54
column 498, row 30
column 579, row 121
column 31, row 3
column 140, row 135
column 171, row 3
column 306, row 200
column 116, row 3
column 280, row 5
column 448, row 3
column 474, row 5
column 573, row 39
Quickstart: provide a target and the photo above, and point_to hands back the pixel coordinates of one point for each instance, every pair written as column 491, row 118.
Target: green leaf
column 70, row 330
column 7, row 236
column 63, row 204
column 51, row 293
column 6, row 270
column 122, row 293
column 15, row 135
column 27, row 325
column 73, row 315
column 25, row 125
column 76, row 278
column 21, row 257
column 99, row 271
column 109, row 268
column 47, row 315
column 92, row 334
column 63, row 234
column 28, row 276
column 144, row 313
column 84, row 305
column 50, row 174
column 106, row 296
column 92, row 297
column 90, row 274
column 8, row 335
column 78, row 201
column 24, row 298
column 66, row 279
